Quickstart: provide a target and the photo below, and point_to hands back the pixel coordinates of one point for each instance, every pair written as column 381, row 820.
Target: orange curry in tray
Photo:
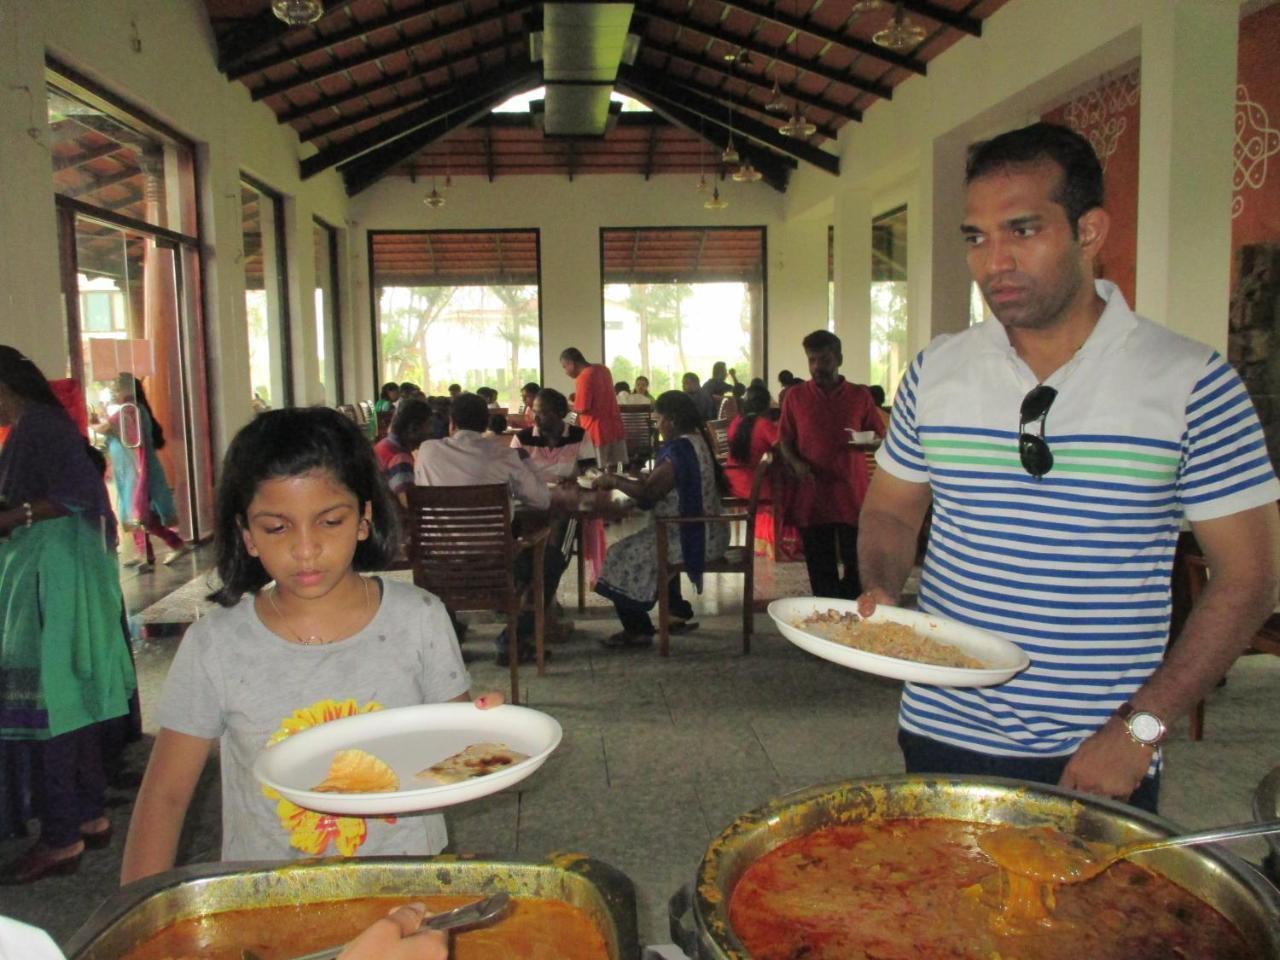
column 533, row 929
column 909, row 889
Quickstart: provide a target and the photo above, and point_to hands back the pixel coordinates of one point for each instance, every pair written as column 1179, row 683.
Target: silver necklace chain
column 312, row 640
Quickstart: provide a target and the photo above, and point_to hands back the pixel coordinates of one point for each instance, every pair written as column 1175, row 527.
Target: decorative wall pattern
column 1103, row 114
column 1256, row 142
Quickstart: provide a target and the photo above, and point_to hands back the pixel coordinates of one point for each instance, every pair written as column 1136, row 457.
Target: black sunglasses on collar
column 1037, row 458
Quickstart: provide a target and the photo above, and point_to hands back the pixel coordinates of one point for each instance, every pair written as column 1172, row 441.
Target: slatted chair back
column 348, row 411
column 462, row 549
column 365, row 411
column 728, row 407
column 740, row 558
column 637, row 425
column 719, row 431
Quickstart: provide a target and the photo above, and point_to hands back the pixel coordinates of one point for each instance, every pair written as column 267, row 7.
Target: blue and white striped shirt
column 1148, row 428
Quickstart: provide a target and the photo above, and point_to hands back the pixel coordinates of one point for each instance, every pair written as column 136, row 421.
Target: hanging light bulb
column 865, row 6
column 777, row 102
column 298, row 13
column 901, row 34
column 730, row 155
column 716, row 202
column 434, row 200
column 747, row 174
column 798, row 126
column 702, row 183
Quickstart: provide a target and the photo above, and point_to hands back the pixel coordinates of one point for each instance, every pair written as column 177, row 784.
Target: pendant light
column 747, row 174
column 798, row 126
column 434, row 199
column 715, row 201
column 777, row 102
column 865, row 6
column 702, row 169
column 730, row 157
column 901, row 35
column 297, row 13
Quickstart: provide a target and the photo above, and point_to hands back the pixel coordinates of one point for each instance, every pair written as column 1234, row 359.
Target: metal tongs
column 468, row 915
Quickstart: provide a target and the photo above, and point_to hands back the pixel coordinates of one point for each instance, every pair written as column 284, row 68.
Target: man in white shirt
column 467, row 458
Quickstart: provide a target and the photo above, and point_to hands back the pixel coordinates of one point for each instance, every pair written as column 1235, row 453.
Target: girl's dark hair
column 384, row 393
column 754, row 403
column 132, row 385
column 622, row 387
column 288, row 443
column 25, row 379
column 677, row 406
column 554, row 399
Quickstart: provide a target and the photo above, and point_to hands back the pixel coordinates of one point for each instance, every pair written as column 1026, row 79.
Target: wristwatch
column 1144, row 727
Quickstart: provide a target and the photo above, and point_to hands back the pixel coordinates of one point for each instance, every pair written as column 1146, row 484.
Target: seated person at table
column 751, row 435
column 702, row 401
column 490, row 396
column 723, row 383
column 466, row 458
column 455, row 391
column 550, row 446
column 641, row 393
column 527, row 393
column 409, row 427
column 686, row 481
column 877, row 394
column 387, row 398
column 497, row 426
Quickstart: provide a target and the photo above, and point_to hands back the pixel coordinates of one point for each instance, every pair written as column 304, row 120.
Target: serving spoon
column 469, row 915
column 1047, row 856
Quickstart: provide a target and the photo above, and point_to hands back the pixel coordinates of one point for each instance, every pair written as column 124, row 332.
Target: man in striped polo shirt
column 1061, row 446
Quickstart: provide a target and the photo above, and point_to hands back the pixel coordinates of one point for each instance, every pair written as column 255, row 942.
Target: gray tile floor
column 659, row 755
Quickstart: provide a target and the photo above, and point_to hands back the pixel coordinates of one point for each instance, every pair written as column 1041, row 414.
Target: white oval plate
column 1004, row 659
column 408, row 739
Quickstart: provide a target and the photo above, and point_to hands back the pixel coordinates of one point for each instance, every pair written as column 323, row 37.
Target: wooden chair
column 728, row 407
column 365, row 410
column 737, row 559
column 348, row 411
column 719, row 431
column 1191, row 564
column 638, row 427
column 462, row 549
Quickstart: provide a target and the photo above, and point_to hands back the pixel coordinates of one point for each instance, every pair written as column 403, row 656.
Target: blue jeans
column 926, row 755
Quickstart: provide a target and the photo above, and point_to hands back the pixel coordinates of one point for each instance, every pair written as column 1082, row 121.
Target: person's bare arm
column 797, row 464
column 1241, row 551
column 651, row 486
column 888, row 529
column 177, row 760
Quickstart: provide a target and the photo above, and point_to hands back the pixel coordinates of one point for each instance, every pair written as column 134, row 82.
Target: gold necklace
column 311, row 640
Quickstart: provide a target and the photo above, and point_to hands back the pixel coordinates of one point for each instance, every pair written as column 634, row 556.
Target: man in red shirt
column 597, row 406
column 831, row 476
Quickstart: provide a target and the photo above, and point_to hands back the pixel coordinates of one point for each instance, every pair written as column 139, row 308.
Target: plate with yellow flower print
column 379, row 763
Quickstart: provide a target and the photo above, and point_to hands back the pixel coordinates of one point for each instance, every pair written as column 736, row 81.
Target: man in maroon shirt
column 830, row 475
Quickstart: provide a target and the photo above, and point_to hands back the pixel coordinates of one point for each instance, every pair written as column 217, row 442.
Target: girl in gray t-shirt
column 304, row 638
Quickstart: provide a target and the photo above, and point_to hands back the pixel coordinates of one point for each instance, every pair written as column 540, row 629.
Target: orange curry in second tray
column 907, row 889
column 533, row 929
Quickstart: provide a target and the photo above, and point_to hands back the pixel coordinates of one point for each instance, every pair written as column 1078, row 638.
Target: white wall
column 569, row 216
column 172, row 76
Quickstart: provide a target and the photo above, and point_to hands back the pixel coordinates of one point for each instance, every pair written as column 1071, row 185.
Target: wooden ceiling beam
column 745, row 103
column 719, row 68
column 95, row 153
column 771, row 11
column 371, row 54
column 258, row 32
column 343, row 121
column 780, row 54
column 649, row 85
column 355, row 31
column 454, row 110
column 505, row 80
column 363, row 90
column 945, row 16
column 102, row 183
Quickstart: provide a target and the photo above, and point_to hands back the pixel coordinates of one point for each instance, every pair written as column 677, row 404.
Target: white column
column 853, row 282
column 30, row 298
column 1185, row 165
column 945, row 288
column 797, row 294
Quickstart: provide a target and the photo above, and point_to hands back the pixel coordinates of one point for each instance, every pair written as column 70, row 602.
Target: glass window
column 328, row 345
column 266, row 295
column 130, row 272
column 889, row 299
column 678, row 300
column 459, row 306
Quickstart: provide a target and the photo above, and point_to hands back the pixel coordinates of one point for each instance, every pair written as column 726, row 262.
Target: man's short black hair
column 410, row 414
column 1080, row 187
column 555, row 400
column 573, row 355
column 821, row 340
column 455, row 388
column 470, row 412
column 530, row 387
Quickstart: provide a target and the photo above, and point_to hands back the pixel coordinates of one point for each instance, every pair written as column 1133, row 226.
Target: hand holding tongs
column 469, row 915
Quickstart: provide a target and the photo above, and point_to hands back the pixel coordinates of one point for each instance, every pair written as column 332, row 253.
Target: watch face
column 1146, row 727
